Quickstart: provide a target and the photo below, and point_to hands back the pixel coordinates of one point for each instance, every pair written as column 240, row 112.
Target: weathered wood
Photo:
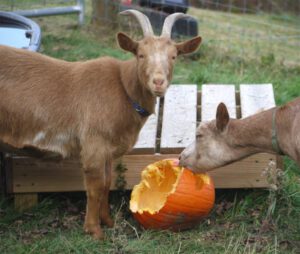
column 256, row 98
column 32, row 175
column 25, row 201
column 146, row 142
column 179, row 118
column 247, row 173
column 212, row 95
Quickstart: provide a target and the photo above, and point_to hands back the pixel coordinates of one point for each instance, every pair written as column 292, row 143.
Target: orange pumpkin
column 171, row 197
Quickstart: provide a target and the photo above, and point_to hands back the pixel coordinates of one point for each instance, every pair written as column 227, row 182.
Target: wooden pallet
column 164, row 135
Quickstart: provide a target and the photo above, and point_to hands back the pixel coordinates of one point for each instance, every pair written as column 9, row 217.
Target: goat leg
column 104, row 208
column 95, row 185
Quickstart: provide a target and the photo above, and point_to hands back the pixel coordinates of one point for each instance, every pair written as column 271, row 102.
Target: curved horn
column 142, row 19
column 169, row 22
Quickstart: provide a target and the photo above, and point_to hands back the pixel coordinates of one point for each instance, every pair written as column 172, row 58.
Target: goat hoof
column 95, row 231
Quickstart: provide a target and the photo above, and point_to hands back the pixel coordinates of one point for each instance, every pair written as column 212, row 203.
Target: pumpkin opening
column 159, row 180
column 171, row 197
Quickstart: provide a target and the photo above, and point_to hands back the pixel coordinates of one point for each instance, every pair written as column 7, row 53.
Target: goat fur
column 51, row 107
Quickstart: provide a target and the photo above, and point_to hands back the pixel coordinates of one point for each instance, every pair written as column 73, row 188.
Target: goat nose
column 158, row 82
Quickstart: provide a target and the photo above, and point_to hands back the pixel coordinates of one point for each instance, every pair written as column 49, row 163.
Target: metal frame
column 33, row 30
column 79, row 9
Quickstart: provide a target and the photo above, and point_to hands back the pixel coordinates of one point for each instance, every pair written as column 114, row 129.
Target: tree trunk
column 104, row 14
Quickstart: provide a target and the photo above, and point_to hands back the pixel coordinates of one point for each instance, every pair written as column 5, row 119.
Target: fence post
column 104, row 13
column 81, row 5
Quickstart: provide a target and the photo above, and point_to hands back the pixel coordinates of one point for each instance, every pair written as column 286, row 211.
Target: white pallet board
column 212, row 95
column 147, row 137
column 256, row 98
column 179, row 118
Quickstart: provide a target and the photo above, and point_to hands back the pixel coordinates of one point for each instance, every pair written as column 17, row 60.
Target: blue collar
column 138, row 108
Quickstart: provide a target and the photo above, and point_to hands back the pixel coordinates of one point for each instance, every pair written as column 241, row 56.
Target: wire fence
column 245, row 28
column 250, row 6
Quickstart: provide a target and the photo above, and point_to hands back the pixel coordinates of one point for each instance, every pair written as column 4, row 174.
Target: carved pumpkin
column 171, row 197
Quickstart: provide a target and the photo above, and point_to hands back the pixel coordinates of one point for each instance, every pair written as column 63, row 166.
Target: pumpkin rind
column 192, row 199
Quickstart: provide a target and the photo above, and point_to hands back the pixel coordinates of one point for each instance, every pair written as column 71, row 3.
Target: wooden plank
column 32, row 175
column 146, row 142
column 247, row 173
column 212, row 95
column 256, row 98
column 179, row 118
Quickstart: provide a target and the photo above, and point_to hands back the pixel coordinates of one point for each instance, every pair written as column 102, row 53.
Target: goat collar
column 138, row 108
column 275, row 143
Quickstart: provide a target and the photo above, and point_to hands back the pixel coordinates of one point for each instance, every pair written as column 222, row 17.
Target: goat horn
column 142, row 19
column 169, row 22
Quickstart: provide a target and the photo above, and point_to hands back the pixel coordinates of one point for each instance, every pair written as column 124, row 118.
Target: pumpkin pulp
column 159, row 181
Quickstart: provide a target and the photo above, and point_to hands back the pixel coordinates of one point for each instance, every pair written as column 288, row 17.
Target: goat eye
column 173, row 57
column 141, row 56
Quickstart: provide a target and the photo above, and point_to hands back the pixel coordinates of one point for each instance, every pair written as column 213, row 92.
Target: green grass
column 243, row 221
column 251, row 35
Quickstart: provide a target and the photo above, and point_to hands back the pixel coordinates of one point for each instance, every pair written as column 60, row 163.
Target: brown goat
column 222, row 141
column 93, row 109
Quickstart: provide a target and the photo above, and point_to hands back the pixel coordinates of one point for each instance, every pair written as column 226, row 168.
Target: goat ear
column 222, row 117
column 127, row 43
column 189, row 46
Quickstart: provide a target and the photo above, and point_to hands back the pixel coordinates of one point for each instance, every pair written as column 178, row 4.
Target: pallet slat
column 146, row 142
column 256, row 98
column 246, row 173
column 212, row 95
column 32, row 175
column 179, row 118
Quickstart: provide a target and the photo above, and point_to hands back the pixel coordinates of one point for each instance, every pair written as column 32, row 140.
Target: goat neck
column 134, row 88
column 288, row 122
column 254, row 133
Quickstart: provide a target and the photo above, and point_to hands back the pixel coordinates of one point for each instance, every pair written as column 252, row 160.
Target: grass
column 243, row 221
column 251, row 35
